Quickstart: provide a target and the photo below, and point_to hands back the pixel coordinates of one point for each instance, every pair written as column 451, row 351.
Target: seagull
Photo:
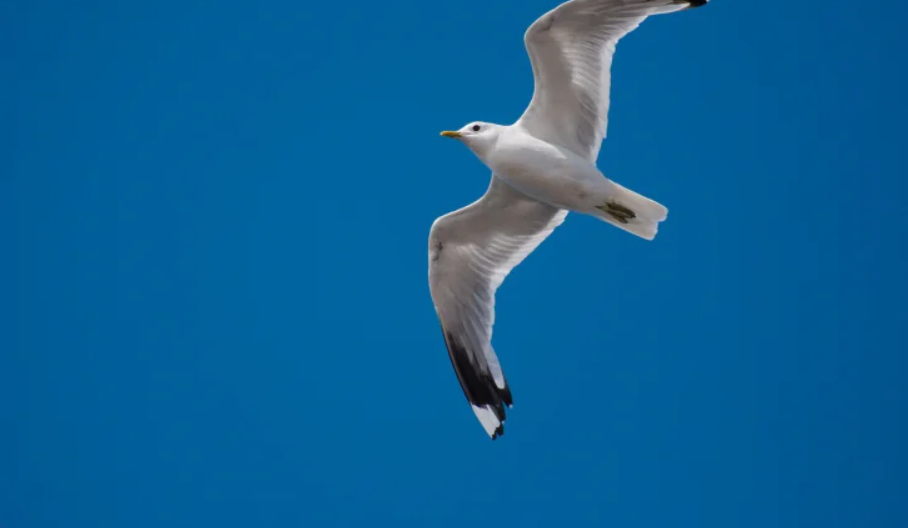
column 543, row 166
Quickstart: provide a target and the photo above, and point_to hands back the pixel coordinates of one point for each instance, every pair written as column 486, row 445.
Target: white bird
column 543, row 166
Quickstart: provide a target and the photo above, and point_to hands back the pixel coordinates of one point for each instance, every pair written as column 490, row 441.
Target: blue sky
column 214, row 307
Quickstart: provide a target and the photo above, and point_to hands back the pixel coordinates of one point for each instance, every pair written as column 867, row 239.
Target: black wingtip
column 505, row 395
column 697, row 3
column 477, row 383
column 498, row 432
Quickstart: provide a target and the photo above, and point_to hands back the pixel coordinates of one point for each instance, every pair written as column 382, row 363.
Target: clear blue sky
column 214, row 307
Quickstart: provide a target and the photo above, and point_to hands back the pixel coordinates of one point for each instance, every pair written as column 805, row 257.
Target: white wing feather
column 471, row 251
column 571, row 50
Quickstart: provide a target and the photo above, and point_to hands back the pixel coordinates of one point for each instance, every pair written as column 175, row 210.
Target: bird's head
column 479, row 136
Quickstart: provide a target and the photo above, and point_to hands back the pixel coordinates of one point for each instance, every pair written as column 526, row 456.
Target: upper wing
column 471, row 251
column 571, row 50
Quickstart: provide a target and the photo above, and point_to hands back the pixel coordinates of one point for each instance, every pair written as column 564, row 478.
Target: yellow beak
column 449, row 134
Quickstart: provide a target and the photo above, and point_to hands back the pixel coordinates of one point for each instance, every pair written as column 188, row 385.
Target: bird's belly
column 556, row 180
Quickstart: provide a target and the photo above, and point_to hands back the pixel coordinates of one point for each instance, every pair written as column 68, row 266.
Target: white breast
column 544, row 171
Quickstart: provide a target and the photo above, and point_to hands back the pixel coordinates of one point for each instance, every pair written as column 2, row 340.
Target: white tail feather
column 647, row 213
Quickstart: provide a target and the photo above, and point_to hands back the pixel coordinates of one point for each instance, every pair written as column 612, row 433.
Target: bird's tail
column 632, row 212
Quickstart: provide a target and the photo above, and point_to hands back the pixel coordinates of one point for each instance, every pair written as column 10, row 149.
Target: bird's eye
column 476, row 128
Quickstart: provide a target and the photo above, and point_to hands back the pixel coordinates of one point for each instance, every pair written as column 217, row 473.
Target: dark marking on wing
column 436, row 251
column 477, row 382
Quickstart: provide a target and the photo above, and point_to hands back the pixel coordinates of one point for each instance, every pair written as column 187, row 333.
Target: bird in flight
column 543, row 166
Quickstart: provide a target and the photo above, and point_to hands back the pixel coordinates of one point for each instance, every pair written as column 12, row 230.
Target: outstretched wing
column 471, row 251
column 571, row 50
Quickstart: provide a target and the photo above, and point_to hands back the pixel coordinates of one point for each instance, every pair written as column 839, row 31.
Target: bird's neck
column 484, row 147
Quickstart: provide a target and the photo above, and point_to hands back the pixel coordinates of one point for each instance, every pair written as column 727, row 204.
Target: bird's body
column 546, row 172
column 558, row 177
column 544, row 165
